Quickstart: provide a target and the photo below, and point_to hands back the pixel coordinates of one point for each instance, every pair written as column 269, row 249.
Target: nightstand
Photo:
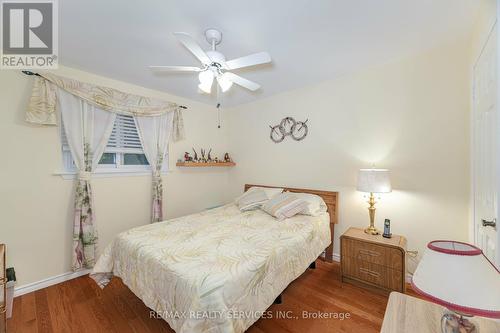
column 373, row 261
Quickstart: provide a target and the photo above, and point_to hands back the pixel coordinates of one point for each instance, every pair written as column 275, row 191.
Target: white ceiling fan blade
column 249, row 60
column 175, row 68
column 192, row 46
column 241, row 81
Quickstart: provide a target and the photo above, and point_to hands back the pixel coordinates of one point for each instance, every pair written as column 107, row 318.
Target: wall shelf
column 202, row 165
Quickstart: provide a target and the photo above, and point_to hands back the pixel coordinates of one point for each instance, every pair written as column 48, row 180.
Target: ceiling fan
column 214, row 64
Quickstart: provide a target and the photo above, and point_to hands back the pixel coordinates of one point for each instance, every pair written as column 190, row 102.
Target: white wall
column 485, row 21
column 36, row 206
column 409, row 116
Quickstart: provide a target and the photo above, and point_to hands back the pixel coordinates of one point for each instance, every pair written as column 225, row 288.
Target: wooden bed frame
column 332, row 203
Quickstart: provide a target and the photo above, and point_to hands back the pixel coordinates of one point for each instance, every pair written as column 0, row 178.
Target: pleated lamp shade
column 458, row 276
column 374, row 181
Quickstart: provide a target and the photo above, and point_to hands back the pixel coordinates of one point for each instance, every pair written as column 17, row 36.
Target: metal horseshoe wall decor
column 289, row 127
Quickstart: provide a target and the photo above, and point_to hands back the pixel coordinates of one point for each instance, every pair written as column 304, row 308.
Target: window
column 123, row 153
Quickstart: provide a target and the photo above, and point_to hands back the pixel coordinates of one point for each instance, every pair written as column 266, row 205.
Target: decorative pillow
column 315, row 204
column 251, row 200
column 270, row 192
column 284, row 205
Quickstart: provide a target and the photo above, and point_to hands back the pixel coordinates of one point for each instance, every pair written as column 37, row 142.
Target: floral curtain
column 84, row 228
column 88, row 129
column 154, row 133
column 42, row 106
column 88, row 112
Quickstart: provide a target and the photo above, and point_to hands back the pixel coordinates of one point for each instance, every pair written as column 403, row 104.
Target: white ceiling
column 309, row 40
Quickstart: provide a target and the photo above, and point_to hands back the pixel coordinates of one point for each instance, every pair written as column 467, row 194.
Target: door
column 486, row 152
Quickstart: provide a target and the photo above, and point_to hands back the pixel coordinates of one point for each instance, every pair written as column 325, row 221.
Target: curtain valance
column 42, row 106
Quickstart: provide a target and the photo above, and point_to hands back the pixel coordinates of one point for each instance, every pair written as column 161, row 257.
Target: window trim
column 107, row 170
column 71, row 175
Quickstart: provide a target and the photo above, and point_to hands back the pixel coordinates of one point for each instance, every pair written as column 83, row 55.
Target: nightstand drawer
column 372, row 273
column 373, row 260
column 364, row 251
column 376, row 254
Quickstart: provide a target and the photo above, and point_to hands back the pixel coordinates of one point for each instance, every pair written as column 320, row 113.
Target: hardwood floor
column 80, row 306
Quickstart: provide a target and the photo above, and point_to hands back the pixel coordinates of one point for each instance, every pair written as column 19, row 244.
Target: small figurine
column 209, row 157
column 227, row 158
column 187, row 157
column 203, row 158
column 195, row 158
column 216, row 160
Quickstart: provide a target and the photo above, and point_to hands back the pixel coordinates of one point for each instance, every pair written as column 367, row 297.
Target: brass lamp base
column 372, row 230
column 456, row 323
column 371, row 211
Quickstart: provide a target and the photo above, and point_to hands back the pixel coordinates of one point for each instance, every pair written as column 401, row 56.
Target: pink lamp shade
column 458, row 276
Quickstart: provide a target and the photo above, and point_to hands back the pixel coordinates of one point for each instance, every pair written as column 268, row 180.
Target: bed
column 218, row 270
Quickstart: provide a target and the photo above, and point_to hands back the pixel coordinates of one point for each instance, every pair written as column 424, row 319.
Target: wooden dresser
column 373, row 261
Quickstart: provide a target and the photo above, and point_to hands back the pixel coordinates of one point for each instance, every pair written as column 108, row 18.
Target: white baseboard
column 30, row 287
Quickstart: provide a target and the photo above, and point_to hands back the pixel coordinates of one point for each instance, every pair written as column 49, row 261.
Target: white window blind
column 123, row 152
column 64, row 139
column 124, row 137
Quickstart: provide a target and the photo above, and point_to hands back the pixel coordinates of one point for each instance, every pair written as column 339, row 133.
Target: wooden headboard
column 332, row 202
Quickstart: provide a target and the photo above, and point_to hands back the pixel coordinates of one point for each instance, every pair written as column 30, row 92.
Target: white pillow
column 252, row 200
column 315, row 204
column 284, row 205
column 270, row 191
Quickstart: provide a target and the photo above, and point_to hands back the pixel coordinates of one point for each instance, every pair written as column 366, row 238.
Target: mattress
column 215, row 271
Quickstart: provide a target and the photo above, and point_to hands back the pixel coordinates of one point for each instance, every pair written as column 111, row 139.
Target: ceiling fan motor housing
column 216, row 57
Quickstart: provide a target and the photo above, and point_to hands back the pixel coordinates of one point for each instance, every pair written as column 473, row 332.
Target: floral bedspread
column 216, row 271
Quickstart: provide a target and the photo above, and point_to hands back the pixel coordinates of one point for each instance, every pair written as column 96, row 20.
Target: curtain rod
column 36, row 74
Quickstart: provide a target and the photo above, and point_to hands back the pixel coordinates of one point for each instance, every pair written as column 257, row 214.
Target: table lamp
column 458, row 276
column 373, row 181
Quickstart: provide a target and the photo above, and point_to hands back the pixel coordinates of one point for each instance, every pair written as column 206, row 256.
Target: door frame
column 471, row 226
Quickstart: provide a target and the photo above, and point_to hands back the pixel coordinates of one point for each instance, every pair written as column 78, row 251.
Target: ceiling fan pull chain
column 218, row 114
column 218, row 105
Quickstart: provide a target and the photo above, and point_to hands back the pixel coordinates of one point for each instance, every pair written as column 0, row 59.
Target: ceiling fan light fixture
column 206, row 77
column 206, row 80
column 224, row 83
